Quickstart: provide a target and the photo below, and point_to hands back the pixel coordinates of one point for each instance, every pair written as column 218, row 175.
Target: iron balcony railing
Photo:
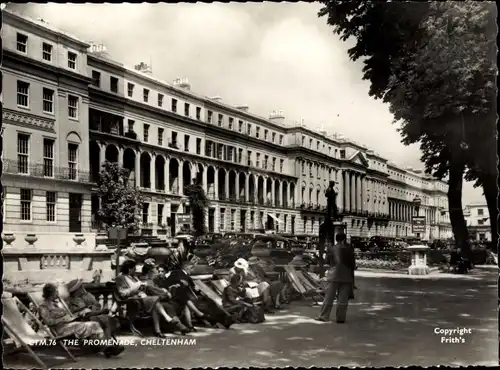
column 42, row 170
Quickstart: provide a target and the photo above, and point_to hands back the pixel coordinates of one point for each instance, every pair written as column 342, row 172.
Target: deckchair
column 206, row 290
column 37, row 299
column 132, row 311
column 221, row 284
column 297, row 283
column 23, row 335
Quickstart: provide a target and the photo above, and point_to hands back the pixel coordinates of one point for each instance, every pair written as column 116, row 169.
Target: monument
column 331, row 226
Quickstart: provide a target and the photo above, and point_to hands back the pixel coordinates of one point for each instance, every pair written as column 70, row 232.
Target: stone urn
column 8, row 238
column 160, row 253
column 78, row 239
column 31, row 239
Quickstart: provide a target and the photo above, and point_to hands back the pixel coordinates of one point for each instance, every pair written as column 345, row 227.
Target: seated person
column 84, row 305
column 256, row 270
column 181, row 286
column 234, row 300
column 240, row 269
column 60, row 321
column 130, row 287
column 175, row 304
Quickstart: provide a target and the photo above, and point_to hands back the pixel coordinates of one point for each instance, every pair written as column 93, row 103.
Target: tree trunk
column 490, row 193
column 458, row 225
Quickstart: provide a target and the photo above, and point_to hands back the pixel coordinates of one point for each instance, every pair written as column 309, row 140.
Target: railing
column 40, row 170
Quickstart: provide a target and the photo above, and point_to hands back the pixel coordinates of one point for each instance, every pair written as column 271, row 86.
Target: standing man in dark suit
column 340, row 279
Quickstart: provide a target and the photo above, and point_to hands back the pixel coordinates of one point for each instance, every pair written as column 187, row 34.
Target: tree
column 121, row 203
column 433, row 64
column 198, row 203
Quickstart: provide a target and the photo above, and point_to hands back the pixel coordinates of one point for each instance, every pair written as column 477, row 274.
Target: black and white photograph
column 254, row 184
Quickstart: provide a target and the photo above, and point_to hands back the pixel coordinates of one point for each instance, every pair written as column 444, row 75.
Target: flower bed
column 402, row 258
column 378, row 263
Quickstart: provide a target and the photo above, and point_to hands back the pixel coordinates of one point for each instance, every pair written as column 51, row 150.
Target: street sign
column 418, row 224
column 117, row 233
column 184, row 218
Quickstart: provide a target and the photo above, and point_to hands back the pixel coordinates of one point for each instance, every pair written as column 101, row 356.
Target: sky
column 269, row 56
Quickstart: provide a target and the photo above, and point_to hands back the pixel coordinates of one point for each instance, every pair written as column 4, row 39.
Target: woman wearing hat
column 129, row 286
column 63, row 324
column 84, row 305
column 240, row 269
column 259, row 274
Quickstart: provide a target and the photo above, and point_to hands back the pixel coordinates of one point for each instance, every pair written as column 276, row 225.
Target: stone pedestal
column 329, row 232
column 418, row 260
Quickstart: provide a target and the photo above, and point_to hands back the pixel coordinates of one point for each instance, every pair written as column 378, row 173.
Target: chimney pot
column 243, row 108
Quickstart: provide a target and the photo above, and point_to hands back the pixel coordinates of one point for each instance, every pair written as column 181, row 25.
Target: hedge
column 434, row 256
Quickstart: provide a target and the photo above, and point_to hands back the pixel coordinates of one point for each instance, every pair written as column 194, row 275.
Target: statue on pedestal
column 327, row 228
column 331, row 205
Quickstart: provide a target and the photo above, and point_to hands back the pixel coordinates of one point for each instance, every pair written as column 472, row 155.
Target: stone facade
column 258, row 172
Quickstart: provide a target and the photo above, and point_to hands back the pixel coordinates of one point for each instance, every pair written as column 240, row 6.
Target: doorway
column 211, row 220
column 243, row 218
column 75, row 213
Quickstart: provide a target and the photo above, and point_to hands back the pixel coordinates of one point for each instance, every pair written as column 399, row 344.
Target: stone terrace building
column 256, row 171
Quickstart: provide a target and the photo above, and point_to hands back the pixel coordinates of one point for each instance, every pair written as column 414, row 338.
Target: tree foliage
column 433, row 62
column 198, row 203
column 121, row 203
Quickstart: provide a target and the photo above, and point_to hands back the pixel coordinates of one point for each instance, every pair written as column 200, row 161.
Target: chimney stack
column 277, row 116
column 243, row 108
column 182, row 83
column 97, row 48
column 144, row 68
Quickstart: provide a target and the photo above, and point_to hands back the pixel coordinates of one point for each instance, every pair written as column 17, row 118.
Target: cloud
column 268, row 55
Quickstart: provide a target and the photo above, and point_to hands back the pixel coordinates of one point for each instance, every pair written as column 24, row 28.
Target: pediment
column 359, row 158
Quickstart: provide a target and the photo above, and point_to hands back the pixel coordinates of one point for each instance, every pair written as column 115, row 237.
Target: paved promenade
column 392, row 322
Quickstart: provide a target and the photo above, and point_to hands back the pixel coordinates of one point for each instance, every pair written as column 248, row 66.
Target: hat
column 254, row 259
column 74, row 285
column 241, row 263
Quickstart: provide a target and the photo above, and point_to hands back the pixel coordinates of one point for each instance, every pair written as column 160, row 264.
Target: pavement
column 392, row 322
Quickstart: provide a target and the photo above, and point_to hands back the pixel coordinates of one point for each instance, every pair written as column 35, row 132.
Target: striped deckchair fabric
column 206, row 290
column 22, row 334
column 301, row 284
column 220, row 285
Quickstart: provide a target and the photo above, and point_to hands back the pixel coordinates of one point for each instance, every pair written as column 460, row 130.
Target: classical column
column 247, row 188
column 256, row 191
column 120, row 157
column 265, row 190
column 340, row 190
column 280, row 197
column 138, row 169
column 353, row 191
column 152, row 172
column 359, row 200
column 273, row 193
column 237, row 188
column 102, row 155
column 227, row 186
column 371, row 192
column 205, row 181
column 181, row 178
column 167, row 175
column 347, row 196
column 216, row 184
